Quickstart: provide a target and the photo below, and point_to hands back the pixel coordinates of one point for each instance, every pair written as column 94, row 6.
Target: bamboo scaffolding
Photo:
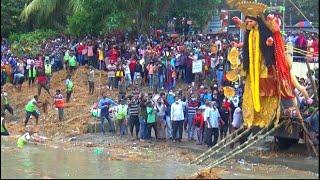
column 240, row 146
column 217, row 145
column 308, row 137
column 312, row 82
column 225, row 158
column 212, row 153
column 301, row 51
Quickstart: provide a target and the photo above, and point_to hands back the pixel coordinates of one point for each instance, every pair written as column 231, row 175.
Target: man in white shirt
column 237, row 122
column 127, row 75
column 177, row 118
column 212, row 116
column 218, row 43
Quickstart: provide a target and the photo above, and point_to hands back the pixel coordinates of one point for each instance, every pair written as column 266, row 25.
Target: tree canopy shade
column 81, row 17
column 99, row 16
column 10, row 11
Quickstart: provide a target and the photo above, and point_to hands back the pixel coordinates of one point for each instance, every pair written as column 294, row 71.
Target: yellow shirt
column 100, row 55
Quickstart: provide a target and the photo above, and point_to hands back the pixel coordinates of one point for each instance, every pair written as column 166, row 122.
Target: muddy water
column 40, row 162
column 37, row 161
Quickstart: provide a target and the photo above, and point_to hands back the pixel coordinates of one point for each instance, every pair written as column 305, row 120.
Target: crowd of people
column 158, row 61
column 304, row 41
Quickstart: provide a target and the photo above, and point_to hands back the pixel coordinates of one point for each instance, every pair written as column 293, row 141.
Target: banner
column 197, row 66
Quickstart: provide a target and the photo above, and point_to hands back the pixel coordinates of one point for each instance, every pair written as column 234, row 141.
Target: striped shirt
column 134, row 109
column 192, row 107
column 38, row 63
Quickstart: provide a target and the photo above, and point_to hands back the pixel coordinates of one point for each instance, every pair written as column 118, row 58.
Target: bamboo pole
column 312, row 82
column 220, row 148
column 82, row 115
column 214, row 147
column 240, row 146
column 305, row 130
column 244, row 148
column 302, row 51
column 301, row 13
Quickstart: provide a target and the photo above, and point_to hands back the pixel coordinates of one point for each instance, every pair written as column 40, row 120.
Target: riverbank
column 127, row 150
column 72, row 134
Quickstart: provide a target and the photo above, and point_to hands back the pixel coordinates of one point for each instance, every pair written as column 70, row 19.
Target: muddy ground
column 72, row 131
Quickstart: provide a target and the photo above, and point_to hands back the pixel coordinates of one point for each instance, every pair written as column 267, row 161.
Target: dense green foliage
column 81, row 17
column 10, row 11
column 29, row 42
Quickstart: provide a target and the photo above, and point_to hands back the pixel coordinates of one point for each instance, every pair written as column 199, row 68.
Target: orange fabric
column 59, row 103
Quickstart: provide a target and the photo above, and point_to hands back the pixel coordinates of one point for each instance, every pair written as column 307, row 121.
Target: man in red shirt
column 113, row 55
column 198, row 122
column 132, row 66
column 315, row 46
column 59, row 103
column 42, row 82
column 80, row 56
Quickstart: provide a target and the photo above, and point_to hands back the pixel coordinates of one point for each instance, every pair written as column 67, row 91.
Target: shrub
column 29, row 43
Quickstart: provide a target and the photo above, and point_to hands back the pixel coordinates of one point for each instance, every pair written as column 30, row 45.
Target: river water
column 34, row 161
column 38, row 161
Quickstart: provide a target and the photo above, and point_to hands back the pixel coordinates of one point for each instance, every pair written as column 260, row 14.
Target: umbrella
column 303, row 24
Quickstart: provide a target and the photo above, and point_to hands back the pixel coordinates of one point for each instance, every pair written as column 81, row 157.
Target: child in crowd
column 198, row 122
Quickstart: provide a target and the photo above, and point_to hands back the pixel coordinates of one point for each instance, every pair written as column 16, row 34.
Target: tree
column 95, row 17
column 50, row 13
column 10, row 11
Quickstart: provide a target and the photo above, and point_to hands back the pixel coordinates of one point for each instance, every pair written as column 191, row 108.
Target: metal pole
column 241, row 33
column 283, row 15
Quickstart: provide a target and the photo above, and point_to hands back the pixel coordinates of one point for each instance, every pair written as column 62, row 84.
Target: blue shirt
column 170, row 99
column 314, row 122
column 207, row 96
column 104, row 105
